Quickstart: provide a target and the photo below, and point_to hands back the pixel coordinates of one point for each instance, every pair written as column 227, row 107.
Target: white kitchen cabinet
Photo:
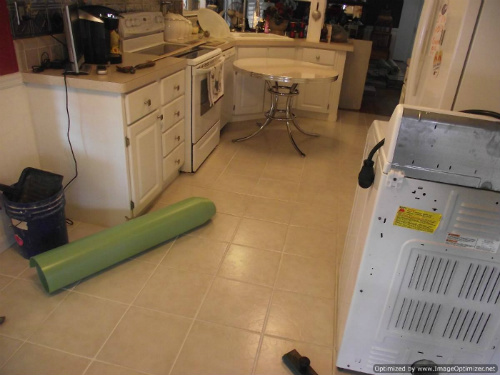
column 118, row 142
column 321, row 97
column 145, row 160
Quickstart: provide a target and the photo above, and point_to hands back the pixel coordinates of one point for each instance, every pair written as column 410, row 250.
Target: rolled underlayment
column 66, row 264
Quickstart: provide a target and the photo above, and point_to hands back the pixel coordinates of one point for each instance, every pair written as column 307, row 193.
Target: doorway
column 387, row 69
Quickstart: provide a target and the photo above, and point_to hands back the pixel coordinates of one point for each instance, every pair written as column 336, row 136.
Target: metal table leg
column 277, row 91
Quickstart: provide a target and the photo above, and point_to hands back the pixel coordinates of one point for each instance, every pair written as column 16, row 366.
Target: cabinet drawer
column 172, row 113
column 319, row 56
column 172, row 138
column 173, row 86
column 173, row 162
column 141, row 102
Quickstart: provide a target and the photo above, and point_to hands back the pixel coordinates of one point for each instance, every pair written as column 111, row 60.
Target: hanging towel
column 215, row 83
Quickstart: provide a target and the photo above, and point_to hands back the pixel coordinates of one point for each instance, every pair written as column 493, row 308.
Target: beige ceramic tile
column 80, row 230
column 246, row 166
column 250, row 265
column 261, row 234
column 215, row 349
column 34, row 359
column 101, row 368
column 146, row 341
column 276, row 189
column 221, row 228
column 79, row 325
column 174, row 291
column 270, row 357
column 302, row 318
column 314, row 216
column 195, row 253
column 236, row 304
column 226, row 202
column 4, row 281
column 26, row 307
column 236, row 183
column 310, row 242
column 8, row 347
column 318, row 195
column 315, row 277
column 121, row 282
column 269, row 210
column 12, row 263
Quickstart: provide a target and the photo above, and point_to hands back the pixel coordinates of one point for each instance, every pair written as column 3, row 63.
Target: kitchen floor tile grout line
column 228, row 245
column 268, row 313
column 130, row 305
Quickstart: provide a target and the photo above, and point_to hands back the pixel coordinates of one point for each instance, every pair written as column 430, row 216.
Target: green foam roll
column 66, row 264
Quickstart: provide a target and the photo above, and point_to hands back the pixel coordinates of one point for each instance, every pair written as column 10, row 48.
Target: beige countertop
column 121, row 83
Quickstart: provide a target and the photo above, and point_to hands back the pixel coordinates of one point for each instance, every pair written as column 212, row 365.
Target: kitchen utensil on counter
column 131, row 69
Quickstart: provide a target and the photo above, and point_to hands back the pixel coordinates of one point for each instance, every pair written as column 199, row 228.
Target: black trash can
column 37, row 212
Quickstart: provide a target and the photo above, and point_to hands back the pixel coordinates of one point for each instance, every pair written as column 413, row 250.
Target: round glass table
column 276, row 72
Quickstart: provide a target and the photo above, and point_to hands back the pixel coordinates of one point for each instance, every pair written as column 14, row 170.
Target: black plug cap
column 366, row 175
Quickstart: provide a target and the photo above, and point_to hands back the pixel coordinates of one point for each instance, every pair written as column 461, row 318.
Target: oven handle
column 199, row 72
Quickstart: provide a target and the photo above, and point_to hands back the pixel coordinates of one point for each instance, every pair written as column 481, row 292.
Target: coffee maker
column 99, row 34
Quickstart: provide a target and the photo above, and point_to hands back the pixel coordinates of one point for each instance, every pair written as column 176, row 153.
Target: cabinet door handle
column 160, row 117
column 177, row 113
column 177, row 161
column 148, row 102
column 177, row 87
column 178, row 138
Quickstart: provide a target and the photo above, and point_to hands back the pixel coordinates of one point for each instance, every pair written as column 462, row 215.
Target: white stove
column 143, row 33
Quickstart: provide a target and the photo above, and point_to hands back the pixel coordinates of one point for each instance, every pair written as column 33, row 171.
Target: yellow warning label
column 420, row 220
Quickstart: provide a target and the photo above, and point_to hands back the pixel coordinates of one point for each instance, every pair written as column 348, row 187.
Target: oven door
column 204, row 116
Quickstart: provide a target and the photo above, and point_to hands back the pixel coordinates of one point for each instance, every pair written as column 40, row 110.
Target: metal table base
column 275, row 113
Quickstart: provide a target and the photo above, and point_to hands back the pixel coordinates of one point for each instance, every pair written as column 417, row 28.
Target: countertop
column 117, row 82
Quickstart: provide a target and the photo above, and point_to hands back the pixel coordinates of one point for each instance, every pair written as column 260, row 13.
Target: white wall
column 17, row 140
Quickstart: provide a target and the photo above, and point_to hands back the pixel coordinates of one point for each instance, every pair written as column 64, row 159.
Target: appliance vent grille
column 481, row 284
column 432, row 274
column 466, row 325
column 417, row 316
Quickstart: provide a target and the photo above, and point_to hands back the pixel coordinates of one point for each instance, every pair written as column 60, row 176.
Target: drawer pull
column 177, row 161
column 160, row 117
column 178, row 138
column 177, row 113
column 317, row 57
column 177, row 87
column 148, row 102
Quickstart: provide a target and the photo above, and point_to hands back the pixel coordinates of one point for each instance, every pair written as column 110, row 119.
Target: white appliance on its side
column 454, row 62
column 420, row 272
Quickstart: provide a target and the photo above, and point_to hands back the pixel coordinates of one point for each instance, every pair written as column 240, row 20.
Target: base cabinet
column 145, row 160
column 128, row 147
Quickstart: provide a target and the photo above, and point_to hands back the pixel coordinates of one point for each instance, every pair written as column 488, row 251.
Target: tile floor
column 228, row 298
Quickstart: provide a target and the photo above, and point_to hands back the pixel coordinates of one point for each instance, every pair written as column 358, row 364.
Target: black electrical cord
column 482, row 112
column 367, row 174
column 67, row 135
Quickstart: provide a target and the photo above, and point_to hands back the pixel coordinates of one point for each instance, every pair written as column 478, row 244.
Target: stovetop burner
column 161, row 49
column 194, row 53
